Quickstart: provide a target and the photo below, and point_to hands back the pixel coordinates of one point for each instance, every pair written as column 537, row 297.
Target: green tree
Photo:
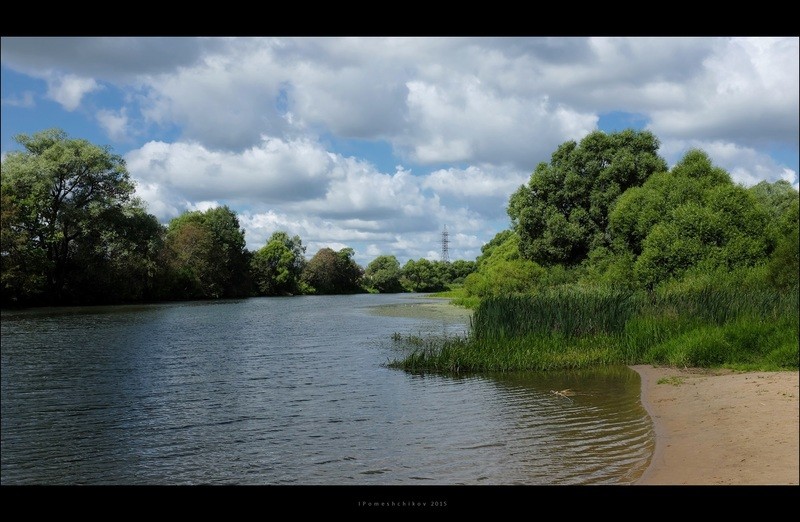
column 383, row 274
column 207, row 255
column 693, row 217
column 62, row 198
column 459, row 269
column 784, row 265
column 276, row 268
column 330, row 272
column 422, row 276
column 120, row 263
column 639, row 209
column 502, row 270
column 562, row 213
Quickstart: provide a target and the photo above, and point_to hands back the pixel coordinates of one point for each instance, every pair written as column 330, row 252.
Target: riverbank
column 721, row 427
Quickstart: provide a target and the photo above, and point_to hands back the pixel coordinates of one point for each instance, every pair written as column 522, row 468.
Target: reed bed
column 578, row 328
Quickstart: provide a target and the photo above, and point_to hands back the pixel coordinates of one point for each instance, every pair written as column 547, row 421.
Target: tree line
column 72, row 232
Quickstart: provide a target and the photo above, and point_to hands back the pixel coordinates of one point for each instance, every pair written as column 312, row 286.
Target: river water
column 294, row 391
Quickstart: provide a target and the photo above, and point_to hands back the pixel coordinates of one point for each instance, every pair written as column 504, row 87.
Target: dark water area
column 294, row 391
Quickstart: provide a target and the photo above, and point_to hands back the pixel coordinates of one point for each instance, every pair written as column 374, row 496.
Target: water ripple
column 291, row 391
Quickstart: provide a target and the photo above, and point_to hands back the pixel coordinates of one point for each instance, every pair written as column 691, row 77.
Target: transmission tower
column 445, row 245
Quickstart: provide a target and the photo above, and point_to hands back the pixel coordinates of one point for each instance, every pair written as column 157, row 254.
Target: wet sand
column 722, row 427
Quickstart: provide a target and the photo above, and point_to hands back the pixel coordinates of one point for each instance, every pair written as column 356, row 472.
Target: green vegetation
column 673, row 380
column 756, row 329
column 72, row 233
column 613, row 259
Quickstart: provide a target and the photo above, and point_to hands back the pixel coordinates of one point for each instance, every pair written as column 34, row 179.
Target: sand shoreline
column 721, row 427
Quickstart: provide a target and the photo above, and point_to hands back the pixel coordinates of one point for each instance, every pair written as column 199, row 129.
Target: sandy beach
column 722, row 427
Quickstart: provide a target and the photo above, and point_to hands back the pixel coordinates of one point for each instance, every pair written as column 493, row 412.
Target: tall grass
column 756, row 328
column 572, row 313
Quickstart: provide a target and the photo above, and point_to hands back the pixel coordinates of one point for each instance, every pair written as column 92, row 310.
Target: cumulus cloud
column 747, row 93
column 273, row 171
column 114, row 123
column 483, row 188
column 112, row 58
column 256, row 122
column 298, row 187
column 69, row 89
column 468, row 121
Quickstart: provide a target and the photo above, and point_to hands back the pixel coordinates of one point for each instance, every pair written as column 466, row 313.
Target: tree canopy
column 562, row 213
column 69, row 216
column 278, row 265
column 207, row 255
column 331, row 272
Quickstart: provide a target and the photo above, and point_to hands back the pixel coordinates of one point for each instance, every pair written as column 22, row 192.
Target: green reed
column 576, row 328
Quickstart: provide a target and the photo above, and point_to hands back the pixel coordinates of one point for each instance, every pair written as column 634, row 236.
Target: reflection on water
column 293, row 391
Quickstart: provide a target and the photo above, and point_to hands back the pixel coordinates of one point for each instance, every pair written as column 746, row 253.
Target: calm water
column 293, row 391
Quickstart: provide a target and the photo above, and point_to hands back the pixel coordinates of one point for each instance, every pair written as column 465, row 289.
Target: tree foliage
column 424, row 275
column 331, row 272
column 277, row 267
column 383, row 274
column 502, row 270
column 207, row 256
column 68, row 218
column 691, row 217
column 562, row 213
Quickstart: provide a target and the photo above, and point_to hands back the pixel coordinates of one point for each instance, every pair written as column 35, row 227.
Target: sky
column 379, row 143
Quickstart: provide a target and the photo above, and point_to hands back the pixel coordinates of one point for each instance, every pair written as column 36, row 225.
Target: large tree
column 562, row 213
column 64, row 200
column 276, row 268
column 693, row 217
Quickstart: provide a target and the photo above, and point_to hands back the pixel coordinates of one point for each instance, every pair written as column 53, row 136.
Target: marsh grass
column 753, row 329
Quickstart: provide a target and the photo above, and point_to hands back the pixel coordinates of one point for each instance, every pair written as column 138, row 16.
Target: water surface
column 293, row 391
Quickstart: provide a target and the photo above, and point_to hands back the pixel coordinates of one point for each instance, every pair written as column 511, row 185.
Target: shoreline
column 715, row 427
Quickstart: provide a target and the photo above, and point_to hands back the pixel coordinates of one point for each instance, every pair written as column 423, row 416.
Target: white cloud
column 273, row 171
column 476, row 181
column 114, row 123
column 746, row 93
column 201, row 206
column 25, row 100
column 467, row 120
column 69, row 89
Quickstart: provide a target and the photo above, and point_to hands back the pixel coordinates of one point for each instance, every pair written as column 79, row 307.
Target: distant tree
column 383, row 274
column 330, row 272
column 459, row 269
column 68, row 214
column 422, row 276
column 207, row 255
column 562, row 213
column 276, row 268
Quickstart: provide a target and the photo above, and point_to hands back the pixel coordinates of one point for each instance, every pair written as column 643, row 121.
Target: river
column 294, row 390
